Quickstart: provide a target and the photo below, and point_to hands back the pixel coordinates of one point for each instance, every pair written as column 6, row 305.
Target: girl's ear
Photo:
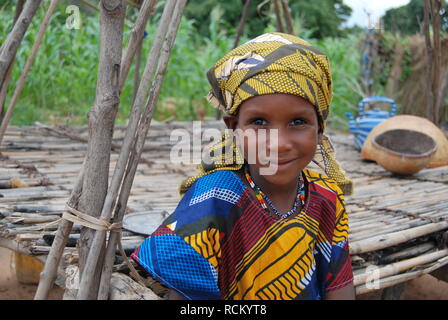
column 230, row 121
column 319, row 137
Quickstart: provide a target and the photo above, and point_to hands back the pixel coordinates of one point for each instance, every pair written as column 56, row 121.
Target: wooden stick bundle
column 135, row 38
column 138, row 133
column 129, row 140
column 49, row 273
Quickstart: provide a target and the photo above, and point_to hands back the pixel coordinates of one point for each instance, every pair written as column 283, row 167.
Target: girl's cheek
column 250, row 145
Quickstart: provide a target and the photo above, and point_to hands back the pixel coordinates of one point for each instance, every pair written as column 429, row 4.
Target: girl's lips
column 275, row 167
column 283, row 165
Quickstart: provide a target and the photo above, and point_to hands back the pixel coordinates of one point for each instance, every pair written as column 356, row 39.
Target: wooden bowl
column 403, row 151
column 414, row 123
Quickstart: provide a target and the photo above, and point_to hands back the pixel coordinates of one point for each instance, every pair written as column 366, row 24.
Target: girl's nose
column 279, row 141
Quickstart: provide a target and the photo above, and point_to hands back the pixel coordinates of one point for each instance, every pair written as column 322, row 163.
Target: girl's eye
column 258, row 122
column 298, row 122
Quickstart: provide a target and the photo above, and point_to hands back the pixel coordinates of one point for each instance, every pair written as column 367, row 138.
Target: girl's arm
column 344, row 293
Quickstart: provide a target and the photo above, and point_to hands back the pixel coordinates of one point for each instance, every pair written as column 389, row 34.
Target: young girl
column 240, row 234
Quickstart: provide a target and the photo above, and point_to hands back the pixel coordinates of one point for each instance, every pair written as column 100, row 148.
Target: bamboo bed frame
column 398, row 226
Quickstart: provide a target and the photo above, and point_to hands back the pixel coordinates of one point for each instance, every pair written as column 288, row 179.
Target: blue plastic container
column 367, row 120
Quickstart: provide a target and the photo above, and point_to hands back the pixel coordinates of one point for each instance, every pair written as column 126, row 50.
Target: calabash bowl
column 403, row 151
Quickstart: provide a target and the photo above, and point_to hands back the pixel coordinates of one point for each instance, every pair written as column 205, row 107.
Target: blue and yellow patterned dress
column 220, row 243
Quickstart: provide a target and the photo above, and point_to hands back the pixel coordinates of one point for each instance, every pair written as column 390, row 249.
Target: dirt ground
column 423, row 288
column 10, row 288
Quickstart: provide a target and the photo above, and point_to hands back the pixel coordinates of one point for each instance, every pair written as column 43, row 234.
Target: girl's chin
column 281, row 170
column 279, row 176
column 279, row 179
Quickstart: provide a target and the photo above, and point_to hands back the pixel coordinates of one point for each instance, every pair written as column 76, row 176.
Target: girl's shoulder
column 322, row 184
column 206, row 203
column 225, row 180
column 211, row 189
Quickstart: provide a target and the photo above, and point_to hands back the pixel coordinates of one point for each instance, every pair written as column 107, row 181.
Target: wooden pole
column 135, row 38
column 138, row 61
column 437, row 81
column 288, row 18
column 65, row 226
column 101, row 124
column 240, row 29
column 98, row 9
column 237, row 39
column 434, row 90
column 278, row 16
column 11, row 45
column 48, row 274
column 26, row 69
column 136, row 154
column 4, row 84
column 86, row 284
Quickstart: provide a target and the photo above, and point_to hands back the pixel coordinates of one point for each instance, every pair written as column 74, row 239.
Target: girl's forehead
column 278, row 103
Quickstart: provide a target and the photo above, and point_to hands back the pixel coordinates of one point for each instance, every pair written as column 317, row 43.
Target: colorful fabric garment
column 220, row 243
column 275, row 63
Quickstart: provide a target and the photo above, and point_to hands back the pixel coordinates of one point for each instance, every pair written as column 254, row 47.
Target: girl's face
column 296, row 123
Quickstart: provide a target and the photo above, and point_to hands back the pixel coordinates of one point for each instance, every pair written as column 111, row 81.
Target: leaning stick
column 287, row 16
column 50, row 270
column 136, row 154
column 101, row 119
column 128, row 143
column 239, row 31
column 279, row 17
column 135, row 38
column 11, row 45
column 87, row 3
column 4, row 84
column 26, row 69
column 48, row 275
column 242, row 21
column 138, row 60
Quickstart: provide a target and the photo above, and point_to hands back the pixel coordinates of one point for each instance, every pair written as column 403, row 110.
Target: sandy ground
column 423, row 288
column 10, row 288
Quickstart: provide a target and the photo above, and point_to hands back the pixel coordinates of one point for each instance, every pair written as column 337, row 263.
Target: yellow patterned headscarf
column 271, row 63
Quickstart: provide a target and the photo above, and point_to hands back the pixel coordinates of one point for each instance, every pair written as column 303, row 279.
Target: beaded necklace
column 263, row 198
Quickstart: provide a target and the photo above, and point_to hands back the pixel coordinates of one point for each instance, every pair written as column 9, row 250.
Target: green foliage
column 408, row 19
column 60, row 88
column 387, row 46
column 63, row 76
column 345, row 70
column 324, row 17
column 199, row 11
